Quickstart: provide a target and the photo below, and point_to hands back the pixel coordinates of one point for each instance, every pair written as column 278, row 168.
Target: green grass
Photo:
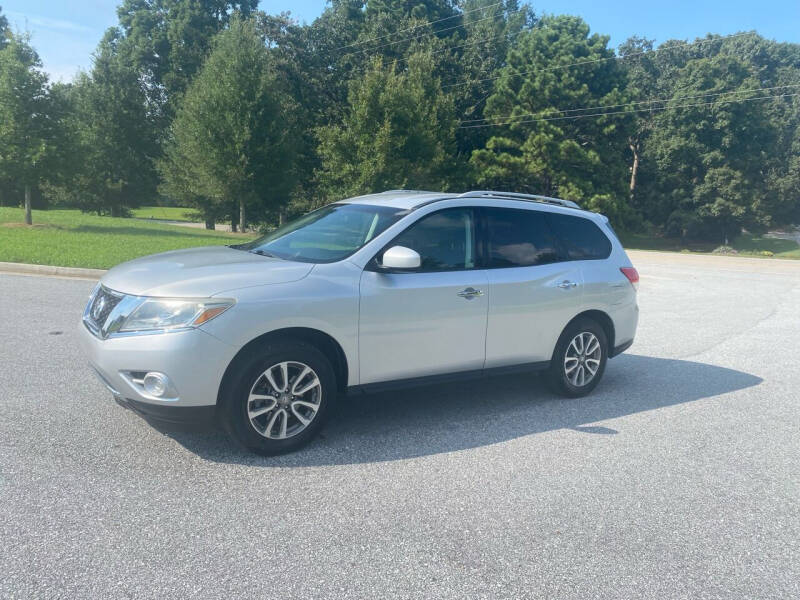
column 167, row 213
column 746, row 244
column 69, row 238
column 752, row 244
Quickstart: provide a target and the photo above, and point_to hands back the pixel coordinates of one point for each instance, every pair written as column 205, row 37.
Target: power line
column 620, row 112
column 473, row 43
column 461, row 14
column 598, row 60
column 416, row 37
column 507, row 120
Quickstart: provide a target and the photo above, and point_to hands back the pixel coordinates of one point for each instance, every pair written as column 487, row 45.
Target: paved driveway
column 679, row 478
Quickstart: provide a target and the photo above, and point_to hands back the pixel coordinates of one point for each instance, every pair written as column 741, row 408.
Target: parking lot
column 678, row 478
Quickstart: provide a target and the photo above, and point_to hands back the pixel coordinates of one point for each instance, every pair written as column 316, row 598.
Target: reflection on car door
column 532, row 293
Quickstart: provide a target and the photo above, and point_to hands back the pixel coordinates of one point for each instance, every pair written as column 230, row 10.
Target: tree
column 778, row 64
column 110, row 123
column 5, row 32
column 726, row 161
column 300, row 56
column 153, row 55
column 321, row 62
column 542, row 143
column 399, row 93
column 178, row 171
column 426, row 10
column 783, row 179
column 399, row 131
column 23, row 115
column 233, row 141
column 709, row 149
column 643, row 83
column 477, row 59
column 167, row 41
column 63, row 157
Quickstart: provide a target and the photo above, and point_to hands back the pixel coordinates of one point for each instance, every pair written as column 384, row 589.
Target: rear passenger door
column 585, row 245
column 533, row 291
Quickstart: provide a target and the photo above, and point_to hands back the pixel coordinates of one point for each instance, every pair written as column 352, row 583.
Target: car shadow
column 450, row 417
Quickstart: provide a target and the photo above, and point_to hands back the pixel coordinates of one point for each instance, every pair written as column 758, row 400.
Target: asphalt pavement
column 678, row 478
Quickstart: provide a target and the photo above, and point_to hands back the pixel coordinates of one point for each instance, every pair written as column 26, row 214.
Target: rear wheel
column 579, row 359
column 280, row 398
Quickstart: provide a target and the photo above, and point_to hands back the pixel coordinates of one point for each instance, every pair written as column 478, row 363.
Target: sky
column 66, row 32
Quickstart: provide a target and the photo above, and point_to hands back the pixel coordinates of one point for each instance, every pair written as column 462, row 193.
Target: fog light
column 155, row 384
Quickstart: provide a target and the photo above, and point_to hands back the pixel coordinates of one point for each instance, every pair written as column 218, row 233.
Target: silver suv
column 397, row 288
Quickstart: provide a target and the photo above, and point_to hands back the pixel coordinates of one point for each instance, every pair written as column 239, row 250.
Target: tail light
column 632, row 275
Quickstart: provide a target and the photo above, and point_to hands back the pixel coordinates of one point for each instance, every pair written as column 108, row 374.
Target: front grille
column 101, row 306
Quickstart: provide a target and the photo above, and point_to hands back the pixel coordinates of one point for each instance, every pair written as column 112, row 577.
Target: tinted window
column 581, row 238
column 518, row 238
column 445, row 240
column 328, row 234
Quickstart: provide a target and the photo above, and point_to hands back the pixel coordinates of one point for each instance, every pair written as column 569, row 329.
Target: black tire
column 234, row 406
column 556, row 375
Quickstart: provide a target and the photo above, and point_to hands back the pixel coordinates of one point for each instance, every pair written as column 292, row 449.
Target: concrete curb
column 50, row 271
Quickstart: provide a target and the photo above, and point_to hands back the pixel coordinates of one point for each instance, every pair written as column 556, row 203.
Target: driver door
column 431, row 320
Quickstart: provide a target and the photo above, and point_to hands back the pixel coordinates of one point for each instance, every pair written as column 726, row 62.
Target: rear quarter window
column 581, row 238
column 518, row 238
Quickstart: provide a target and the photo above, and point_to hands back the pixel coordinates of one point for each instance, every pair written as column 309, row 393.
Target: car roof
column 404, row 199
column 411, row 199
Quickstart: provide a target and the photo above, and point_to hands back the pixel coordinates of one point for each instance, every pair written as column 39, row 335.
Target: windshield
column 328, row 234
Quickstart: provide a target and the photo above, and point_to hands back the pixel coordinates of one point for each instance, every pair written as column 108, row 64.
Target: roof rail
column 407, row 192
column 515, row 196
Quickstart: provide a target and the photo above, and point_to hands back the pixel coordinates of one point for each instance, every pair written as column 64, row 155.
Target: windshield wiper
column 263, row 253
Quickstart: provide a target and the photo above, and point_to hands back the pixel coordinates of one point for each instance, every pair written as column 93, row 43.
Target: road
column 678, row 478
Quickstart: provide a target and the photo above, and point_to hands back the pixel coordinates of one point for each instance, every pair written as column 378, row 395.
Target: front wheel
column 579, row 359
column 280, row 398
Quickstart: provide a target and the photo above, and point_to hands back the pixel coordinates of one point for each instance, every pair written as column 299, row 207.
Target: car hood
column 201, row 272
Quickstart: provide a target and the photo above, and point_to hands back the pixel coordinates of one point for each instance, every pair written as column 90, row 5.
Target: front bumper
column 204, row 416
column 194, row 360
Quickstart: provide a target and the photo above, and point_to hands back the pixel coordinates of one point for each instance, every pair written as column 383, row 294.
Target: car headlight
column 165, row 313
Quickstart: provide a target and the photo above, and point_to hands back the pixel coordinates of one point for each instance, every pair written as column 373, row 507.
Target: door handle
column 567, row 284
column 470, row 293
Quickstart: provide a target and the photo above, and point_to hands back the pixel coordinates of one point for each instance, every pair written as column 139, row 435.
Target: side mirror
column 400, row 257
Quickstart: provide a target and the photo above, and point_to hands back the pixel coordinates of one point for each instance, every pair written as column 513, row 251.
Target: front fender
column 326, row 300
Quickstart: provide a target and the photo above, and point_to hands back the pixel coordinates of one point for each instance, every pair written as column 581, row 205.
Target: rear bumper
column 620, row 349
column 625, row 317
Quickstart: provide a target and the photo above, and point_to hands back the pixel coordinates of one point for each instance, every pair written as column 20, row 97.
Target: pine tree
column 399, row 132
column 233, row 142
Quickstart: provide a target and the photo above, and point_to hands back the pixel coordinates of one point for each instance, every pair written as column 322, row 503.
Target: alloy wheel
column 582, row 359
column 284, row 400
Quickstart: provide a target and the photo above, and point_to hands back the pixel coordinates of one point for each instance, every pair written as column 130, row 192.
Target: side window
column 518, row 238
column 445, row 240
column 581, row 238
